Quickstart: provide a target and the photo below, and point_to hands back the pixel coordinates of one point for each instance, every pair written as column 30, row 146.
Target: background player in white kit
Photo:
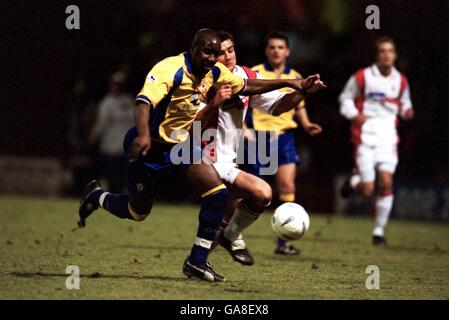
column 372, row 100
column 228, row 120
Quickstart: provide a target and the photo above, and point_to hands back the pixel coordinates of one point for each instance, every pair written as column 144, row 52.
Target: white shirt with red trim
column 381, row 99
column 229, row 119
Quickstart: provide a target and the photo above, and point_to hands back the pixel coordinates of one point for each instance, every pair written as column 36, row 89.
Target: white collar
column 376, row 71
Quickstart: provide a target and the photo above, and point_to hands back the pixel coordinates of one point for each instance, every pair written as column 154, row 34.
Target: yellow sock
column 287, row 197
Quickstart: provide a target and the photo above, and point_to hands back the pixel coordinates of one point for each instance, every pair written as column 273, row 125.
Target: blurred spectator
column 115, row 116
column 80, row 157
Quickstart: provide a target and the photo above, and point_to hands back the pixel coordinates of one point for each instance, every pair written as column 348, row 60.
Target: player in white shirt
column 228, row 120
column 372, row 100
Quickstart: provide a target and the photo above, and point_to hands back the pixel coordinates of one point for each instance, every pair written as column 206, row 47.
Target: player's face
column 205, row 56
column 386, row 55
column 227, row 54
column 277, row 51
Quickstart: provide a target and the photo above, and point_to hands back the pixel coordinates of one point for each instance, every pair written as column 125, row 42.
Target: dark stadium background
column 50, row 74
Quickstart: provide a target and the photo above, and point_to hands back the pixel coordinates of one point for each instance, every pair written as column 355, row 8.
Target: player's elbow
column 276, row 110
column 276, row 113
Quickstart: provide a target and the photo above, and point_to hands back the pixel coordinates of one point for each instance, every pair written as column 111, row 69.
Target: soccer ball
column 290, row 221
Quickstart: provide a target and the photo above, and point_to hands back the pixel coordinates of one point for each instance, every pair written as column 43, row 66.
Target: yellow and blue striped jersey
column 174, row 95
column 265, row 122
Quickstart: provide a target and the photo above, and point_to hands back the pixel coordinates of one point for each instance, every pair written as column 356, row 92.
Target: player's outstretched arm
column 259, row 86
column 142, row 143
column 309, row 85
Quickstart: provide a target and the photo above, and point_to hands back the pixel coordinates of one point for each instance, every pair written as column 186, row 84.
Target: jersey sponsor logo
column 195, row 99
column 376, row 96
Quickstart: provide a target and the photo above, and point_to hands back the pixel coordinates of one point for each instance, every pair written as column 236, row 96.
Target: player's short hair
column 382, row 40
column 225, row 35
column 277, row 35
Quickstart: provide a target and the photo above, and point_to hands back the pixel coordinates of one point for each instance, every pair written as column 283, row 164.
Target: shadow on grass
column 148, row 247
column 316, row 237
column 301, row 258
column 95, row 275
column 430, row 250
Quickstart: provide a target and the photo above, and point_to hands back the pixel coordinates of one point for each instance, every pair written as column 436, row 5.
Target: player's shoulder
column 361, row 71
column 220, row 66
column 361, row 74
column 295, row 73
column 218, row 70
column 169, row 64
column 245, row 72
column 258, row 68
column 403, row 77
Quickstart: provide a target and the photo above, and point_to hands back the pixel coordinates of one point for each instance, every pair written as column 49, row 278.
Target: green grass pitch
column 121, row 259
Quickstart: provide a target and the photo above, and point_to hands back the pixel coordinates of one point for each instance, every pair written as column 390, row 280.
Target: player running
column 165, row 110
column 277, row 52
column 372, row 100
column 228, row 121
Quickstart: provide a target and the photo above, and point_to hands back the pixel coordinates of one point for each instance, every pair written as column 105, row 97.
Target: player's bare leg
column 285, row 184
column 250, row 197
column 365, row 189
column 384, row 204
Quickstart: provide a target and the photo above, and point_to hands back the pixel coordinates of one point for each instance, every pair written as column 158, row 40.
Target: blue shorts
column 286, row 152
column 144, row 175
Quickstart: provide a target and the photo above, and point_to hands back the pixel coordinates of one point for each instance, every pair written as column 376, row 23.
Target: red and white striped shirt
column 381, row 99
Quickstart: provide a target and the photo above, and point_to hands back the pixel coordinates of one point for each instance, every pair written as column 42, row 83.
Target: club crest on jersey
column 151, row 78
column 195, row 98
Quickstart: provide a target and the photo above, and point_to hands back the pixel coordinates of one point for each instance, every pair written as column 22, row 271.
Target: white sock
column 241, row 220
column 102, row 197
column 238, row 243
column 355, row 180
column 384, row 205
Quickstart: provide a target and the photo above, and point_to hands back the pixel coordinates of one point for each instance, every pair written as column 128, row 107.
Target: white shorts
column 227, row 171
column 370, row 159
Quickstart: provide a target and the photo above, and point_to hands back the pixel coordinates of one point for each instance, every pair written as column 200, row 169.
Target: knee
column 216, row 198
column 140, row 210
column 263, row 194
column 139, row 217
column 385, row 188
column 367, row 190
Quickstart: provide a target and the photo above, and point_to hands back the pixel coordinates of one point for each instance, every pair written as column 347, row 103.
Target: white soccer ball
column 290, row 221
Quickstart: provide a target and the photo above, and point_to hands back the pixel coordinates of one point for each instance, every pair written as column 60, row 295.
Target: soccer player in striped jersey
column 228, row 121
column 372, row 100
